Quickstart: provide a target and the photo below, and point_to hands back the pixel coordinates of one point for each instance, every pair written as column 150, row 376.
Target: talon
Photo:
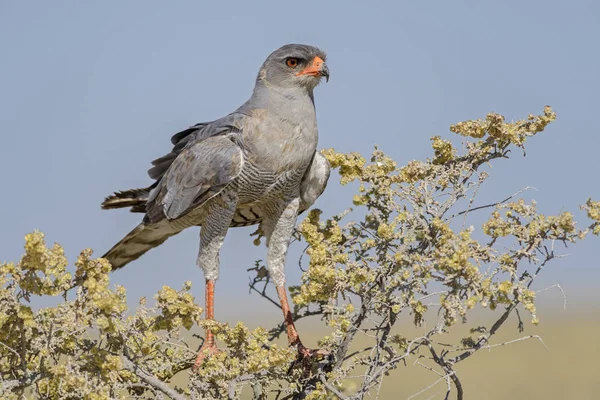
column 308, row 358
column 318, row 354
column 304, row 351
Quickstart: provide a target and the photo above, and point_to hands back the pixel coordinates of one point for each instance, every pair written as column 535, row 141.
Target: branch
column 458, row 385
column 468, row 210
column 152, row 380
column 371, row 379
column 10, row 349
column 484, row 339
column 332, row 389
column 277, row 331
column 242, row 378
column 356, row 324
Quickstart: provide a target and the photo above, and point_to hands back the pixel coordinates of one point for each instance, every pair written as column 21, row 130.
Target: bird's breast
column 278, row 145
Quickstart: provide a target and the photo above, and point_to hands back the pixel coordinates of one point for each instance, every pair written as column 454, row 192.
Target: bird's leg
column 220, row 211
column 209, row 346
column 292, row 333
column 306, row 356
column 278, row 230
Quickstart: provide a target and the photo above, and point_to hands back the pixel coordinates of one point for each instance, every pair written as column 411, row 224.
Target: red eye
column 291, row 62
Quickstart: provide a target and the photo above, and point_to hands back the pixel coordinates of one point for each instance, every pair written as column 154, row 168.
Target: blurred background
column 91, row 92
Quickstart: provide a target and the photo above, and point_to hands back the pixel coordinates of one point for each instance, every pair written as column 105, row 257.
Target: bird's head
column 294, row 66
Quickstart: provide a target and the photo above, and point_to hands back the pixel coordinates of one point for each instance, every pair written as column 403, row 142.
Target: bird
column 256, row 165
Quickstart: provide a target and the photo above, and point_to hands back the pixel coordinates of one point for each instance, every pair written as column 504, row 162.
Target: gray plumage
column 257, row 165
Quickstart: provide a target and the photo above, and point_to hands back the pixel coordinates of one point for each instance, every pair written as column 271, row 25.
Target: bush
column 407, row 247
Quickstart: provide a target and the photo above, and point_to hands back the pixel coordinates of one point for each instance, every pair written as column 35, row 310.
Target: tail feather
column 137, row 242
column 134, row 198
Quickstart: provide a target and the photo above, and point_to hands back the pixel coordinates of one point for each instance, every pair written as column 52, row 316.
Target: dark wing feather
column 228, row 124
column 201, row 171
column 178, row 137
column 180, row 140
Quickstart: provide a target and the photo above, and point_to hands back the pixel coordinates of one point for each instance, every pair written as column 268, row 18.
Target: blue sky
column 90, row 93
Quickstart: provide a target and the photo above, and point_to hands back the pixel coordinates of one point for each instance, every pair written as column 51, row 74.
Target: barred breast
column 260, row 193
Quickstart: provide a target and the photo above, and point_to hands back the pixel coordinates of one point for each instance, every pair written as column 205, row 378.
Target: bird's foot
column 207, row 350
column 307, row 359
column 317, row 354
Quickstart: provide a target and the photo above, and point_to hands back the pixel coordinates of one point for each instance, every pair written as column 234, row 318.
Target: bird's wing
column 314, row 181
column 226, row 125
column 200, row 171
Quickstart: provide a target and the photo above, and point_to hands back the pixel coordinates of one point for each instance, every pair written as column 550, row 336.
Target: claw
column 305, row 352
column 308, row 358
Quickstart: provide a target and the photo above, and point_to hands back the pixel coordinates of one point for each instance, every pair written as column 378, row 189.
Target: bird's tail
column 137, row 242
column 134, row 198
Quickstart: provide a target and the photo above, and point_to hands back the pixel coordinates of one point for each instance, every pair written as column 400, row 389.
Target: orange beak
column 316, row 68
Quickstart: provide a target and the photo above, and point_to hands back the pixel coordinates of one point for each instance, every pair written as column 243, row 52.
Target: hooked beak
column 317, row 68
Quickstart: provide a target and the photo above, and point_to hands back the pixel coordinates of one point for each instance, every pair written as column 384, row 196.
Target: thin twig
column 430, row 386
column 561, row 291
column 468, row 210
column 491, row 346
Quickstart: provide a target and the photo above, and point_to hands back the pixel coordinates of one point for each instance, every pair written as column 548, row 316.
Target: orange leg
column 208, row 347
column 293, row 337
column 292, row 333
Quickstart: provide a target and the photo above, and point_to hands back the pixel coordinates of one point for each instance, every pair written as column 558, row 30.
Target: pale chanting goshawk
column 257, row 165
